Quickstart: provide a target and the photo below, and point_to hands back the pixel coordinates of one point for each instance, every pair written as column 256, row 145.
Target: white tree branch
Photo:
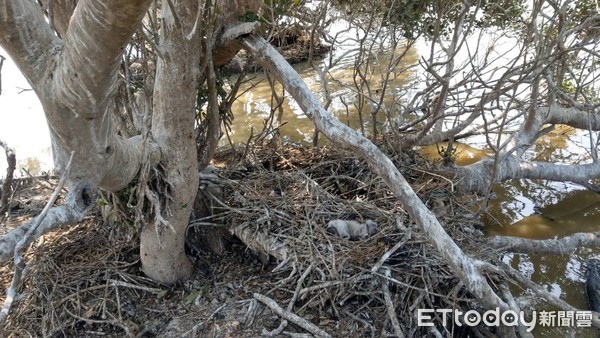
column 23, row 243
column 78, row 202
column 97, row 35
column 462, row 265
column 573, row 117
column 303, row 323
column 27, row 38
column 478, row 176
column 562, row 246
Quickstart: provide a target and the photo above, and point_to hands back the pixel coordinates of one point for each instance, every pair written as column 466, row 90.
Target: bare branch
column 303, row 323
column 462, row 265
column 97, row 35
column 26, row 37
column 28, row 238
column 563, row 246
column 78, row 202
column 390, row 305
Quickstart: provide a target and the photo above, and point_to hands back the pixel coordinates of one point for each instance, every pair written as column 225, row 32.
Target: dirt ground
column 86, row 281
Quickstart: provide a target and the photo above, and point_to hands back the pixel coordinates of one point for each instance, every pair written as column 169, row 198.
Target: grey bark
column 6, row 189
column 79, row 200
column 73, row 79
column 176, row 86
column 479, row 176
column 563, row 246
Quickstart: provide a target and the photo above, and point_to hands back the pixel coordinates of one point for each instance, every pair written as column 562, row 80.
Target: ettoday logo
column 426, row 317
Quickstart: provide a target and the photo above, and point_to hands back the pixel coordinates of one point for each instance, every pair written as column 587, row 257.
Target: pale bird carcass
column 351, row 230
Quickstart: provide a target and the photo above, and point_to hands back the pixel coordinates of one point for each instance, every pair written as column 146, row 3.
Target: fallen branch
column 303, row 323
column 19, row 264
column 291, row 303
column 462, row 265
column 543, row 293
column 77, row 204
column 389, row 304
column 261, row 243
column 112, row 322
column 395, row 248
column 562, row 246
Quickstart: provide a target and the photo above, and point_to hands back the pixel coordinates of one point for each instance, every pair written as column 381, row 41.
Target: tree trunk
column 176, row 86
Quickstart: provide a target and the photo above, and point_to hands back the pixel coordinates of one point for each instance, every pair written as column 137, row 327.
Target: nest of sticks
column 86, row 280
column 278, row 202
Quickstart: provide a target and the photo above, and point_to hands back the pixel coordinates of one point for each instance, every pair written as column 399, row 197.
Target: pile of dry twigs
column 279, row 202
column 86, row 280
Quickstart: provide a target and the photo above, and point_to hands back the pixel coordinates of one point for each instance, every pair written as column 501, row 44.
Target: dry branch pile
column 279, row 201
column 87, row 281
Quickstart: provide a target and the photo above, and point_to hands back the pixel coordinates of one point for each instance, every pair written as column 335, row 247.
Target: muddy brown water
column 534, row 209
column 539, row 209
column 253, row 106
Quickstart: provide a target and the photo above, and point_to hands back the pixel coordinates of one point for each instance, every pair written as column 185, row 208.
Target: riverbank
column 293, row 43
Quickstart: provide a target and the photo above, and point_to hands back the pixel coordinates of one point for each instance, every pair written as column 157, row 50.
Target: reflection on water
column 539, row 209
column 563, row 276
column 577, row 211
column 351, row 106
column 535, row 209
column 462, row 154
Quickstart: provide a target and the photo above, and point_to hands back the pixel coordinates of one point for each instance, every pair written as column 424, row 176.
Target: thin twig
column 111, row 322
column 390, row 252
column 303, row 323
column 438, row 176
column 389, row 304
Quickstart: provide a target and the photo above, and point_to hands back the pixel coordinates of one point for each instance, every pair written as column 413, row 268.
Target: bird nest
column 278, row 202
column 86, row 280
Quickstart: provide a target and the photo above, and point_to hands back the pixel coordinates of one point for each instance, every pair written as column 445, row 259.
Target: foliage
column 434, row 17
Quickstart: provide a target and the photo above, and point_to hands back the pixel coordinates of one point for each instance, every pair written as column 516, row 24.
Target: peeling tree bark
column 178, row 71
column 462, row 265
column 75, row 77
